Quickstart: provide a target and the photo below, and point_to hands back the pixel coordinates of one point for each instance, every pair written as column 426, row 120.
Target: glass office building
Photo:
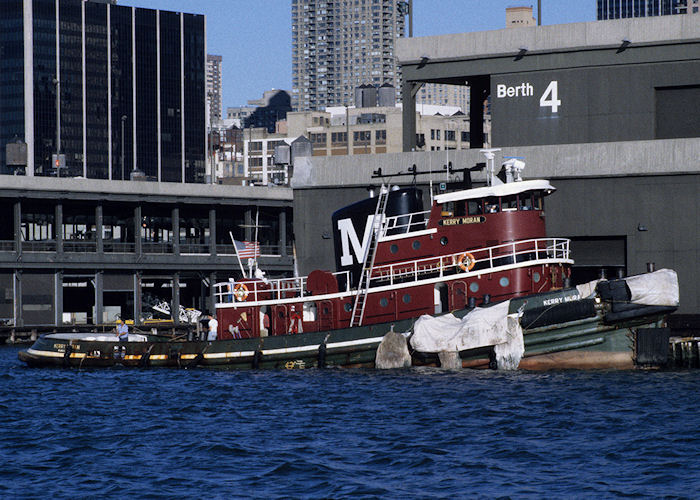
column 618, row 9
column 113, row 89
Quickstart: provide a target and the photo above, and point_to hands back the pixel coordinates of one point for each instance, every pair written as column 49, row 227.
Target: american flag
column 247, row 249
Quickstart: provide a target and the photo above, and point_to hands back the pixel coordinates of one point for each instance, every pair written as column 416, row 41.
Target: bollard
column 651, row 267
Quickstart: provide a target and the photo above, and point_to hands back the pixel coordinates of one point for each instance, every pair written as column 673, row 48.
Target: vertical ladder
column 358, row 310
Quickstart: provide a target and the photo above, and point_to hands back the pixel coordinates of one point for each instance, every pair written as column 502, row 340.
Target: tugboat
column 472, row 275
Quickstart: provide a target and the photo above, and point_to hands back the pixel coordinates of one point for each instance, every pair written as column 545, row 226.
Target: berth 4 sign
column 548, row 99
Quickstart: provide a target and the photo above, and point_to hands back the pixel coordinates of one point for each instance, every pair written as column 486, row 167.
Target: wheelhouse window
column 509, row 203
column 491, row 205
column 474, row 207
column 525, row 200
column 454, row 209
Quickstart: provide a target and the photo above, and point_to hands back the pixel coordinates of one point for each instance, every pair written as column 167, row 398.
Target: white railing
column 489, row 259
column 404, row 223
column 287, row 288
column 521, row 253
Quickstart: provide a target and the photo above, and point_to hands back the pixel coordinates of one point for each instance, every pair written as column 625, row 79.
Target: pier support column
column 58, row 214
column 17, row 224
column 175, row 220
column 138, row 242
column 212, row 232
column 408, row 98
column 99, row 224
column 17, row 292
column 283, row 232
column 98, row 319
column 58, row 298
column 175, row 302
column 137, row 298
column 479, row 91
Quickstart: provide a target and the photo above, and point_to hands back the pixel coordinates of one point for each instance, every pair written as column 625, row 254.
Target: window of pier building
column 38, row 226
column 79, row 228
column 118, row 228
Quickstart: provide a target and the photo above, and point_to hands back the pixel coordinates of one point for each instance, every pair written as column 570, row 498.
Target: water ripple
column 346, row 433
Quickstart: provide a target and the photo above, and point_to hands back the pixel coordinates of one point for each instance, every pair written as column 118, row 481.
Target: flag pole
column 255, row 253
column 235, row 248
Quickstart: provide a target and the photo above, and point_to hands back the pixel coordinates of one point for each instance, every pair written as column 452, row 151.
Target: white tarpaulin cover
column 659, row 288
column 491, row 326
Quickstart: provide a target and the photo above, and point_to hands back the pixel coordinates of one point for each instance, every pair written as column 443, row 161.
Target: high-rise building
column 214, row 91
column 340, row 45
column 98, row 90
column 617, row 9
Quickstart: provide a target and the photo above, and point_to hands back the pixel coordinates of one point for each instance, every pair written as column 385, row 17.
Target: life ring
column 240, row 291
column 466, row 261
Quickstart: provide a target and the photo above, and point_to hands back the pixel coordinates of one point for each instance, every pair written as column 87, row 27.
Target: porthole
column 406, row 299
column 416, row 245
column 394, row 248
column 474, row 287
column 443, row 240
column 347, row 307
column 383, row 302
column 536, row 277
column 504, row 282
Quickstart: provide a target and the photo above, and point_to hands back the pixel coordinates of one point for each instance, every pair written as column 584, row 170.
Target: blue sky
column 254, row 37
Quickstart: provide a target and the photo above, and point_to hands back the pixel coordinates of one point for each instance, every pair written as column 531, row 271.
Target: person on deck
column 122, row 331
column 213, row 327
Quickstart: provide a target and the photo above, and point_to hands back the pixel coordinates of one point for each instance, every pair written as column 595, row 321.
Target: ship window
column 474, row 207
column 416, row 245
column 509, row 203
column 383, row 302
column 474, row 287
column 443, row 240
column 394, row 248
column 406, row 299
column 460, row 209
column 491, row 205
column 539, row 201
column 309, row 313
column 347, row 307
column 536, row 277
column 448, row 209
column 525, row 201
column 504, row 282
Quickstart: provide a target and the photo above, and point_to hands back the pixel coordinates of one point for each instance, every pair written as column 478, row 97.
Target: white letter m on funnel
column 348, row 235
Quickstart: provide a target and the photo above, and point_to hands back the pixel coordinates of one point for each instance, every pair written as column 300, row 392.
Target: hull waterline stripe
column 223, row 355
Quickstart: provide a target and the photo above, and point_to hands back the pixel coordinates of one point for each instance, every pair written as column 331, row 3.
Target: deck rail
column 271, row 289
column 489, row 259
column 477, row 261
column 404, row 223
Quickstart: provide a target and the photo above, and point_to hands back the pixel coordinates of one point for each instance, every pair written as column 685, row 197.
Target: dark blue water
column 345, row 433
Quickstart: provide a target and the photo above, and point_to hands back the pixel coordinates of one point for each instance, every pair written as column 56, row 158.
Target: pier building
column 607, row 110
column 85, row 251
